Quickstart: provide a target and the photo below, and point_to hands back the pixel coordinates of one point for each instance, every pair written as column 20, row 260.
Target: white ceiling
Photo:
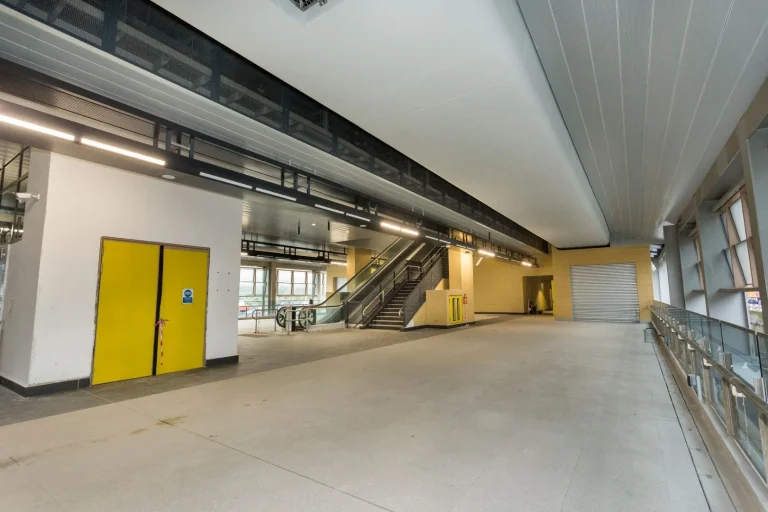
column 650, row 91
column 455, row 85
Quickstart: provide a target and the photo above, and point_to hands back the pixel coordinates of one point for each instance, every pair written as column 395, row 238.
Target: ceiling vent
column 306, row 4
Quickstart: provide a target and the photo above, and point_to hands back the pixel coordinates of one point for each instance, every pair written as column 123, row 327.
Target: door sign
column 188, row 296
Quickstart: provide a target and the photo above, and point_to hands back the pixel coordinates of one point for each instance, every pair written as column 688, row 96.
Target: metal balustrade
column 725, row 364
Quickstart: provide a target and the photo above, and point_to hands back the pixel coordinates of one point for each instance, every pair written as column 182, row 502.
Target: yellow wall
column 637, row 254
column 332, row 272
column 357, row 259
column 499, row 284
column 421, row 317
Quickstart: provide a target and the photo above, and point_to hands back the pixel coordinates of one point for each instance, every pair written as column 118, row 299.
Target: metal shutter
column 605, row 293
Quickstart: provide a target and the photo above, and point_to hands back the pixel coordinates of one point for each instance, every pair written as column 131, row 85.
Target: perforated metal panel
column 605, row 293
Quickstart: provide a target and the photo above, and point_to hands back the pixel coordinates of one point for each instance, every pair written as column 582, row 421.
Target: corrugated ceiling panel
column 603, row 35
column 547, row 42
column 569, row 17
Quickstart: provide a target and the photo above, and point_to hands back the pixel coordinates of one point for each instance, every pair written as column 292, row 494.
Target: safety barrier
column 719, row 358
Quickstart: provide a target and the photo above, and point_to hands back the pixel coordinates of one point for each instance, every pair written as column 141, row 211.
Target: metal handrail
column 380, row 295
column 438, row 254
column 762, row 356
column 733, row 379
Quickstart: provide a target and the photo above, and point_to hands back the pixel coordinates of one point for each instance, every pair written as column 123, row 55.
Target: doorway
column 538, row 289
column 151, row 310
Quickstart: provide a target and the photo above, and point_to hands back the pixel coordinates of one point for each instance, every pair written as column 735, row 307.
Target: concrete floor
column 258, row 353
column 525, row 415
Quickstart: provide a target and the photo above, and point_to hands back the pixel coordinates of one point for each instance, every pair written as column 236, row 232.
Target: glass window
column 737, row 213
column 284, row 276
column 253, row 292
column 742, row 253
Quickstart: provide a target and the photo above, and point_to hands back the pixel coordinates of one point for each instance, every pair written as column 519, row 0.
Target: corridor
column 526, row 414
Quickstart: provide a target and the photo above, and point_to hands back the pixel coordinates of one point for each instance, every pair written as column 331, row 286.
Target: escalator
column 335, row 308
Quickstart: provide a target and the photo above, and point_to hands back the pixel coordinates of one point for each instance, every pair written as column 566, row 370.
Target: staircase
column 389, row 316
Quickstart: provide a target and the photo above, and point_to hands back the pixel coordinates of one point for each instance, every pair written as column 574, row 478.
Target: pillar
column 721, row 304
column 673, row 266
column 693, row 292
column 754, row 154
column 461, row 277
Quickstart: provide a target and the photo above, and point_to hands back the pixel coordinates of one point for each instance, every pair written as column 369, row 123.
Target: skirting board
column 221, row 361
column 438, row 326
column 45, row 389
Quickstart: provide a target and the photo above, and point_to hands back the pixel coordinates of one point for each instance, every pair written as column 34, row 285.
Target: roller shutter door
column 605, row 293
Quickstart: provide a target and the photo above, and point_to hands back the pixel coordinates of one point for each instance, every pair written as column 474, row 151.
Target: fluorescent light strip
column 400, row 229
column 339, row 263
column 121, row 151
column 357, row 217
column 526, row 263
column 276, row 194
column 486, row 253
column 327, row 208
column 409, row 232
column 37, row 128
column 225, row 180
column 432, row 238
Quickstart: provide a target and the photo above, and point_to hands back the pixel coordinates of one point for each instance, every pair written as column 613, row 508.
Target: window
column 699, row 267
column 300, row 286
column 254, row 292
column 740, row 256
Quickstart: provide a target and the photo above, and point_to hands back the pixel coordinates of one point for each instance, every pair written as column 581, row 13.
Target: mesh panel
column 305, row 4
column 80, row 18
column 148, row 37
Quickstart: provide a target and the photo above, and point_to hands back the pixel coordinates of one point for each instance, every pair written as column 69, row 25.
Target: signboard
column 187, row 296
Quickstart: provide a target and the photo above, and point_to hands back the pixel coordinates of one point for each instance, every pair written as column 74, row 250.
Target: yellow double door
column 151, row 310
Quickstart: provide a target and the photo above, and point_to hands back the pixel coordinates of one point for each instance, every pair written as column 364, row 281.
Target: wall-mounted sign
column 187, row 296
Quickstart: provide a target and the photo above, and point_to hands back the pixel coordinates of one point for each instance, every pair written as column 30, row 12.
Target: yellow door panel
column 125, row 322
column 183, row 340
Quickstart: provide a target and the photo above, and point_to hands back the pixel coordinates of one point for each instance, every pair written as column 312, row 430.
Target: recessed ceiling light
column 168, row 177
column 363, row 225
column 314, row 224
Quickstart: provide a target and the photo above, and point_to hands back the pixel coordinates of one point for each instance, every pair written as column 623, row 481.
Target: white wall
column 85, row 202
column 21, row 280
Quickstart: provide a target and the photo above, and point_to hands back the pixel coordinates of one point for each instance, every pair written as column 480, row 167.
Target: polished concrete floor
column 258, row 353
column 522, row 415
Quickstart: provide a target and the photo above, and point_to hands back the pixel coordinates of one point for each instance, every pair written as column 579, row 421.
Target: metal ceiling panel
column 670, row 80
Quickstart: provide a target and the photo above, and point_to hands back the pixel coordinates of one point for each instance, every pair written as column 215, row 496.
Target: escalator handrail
column 340, row 290
column 381, row 271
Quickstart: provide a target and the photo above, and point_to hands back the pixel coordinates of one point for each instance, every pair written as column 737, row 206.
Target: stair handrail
column 432, row 274
column 382, row 292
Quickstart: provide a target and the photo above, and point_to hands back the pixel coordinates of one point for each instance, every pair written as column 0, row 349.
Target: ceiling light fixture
column 339, row 263
column 486, row 253
column 329, row 209
column 121, row 151
column 275, row 194
column 401, row 229
column 225, row 180
column 526, row 263
column 431, row 238
column 243, row 254
column 363, row 226
column 169, row 177
column 479, row 262
column 37, row 128
column 357, row 217
column 313, row 224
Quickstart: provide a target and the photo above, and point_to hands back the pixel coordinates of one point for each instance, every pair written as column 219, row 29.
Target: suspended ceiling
column 455, row 85
column 650, row 91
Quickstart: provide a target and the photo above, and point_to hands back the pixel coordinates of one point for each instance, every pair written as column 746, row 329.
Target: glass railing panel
column 717, row 391
column 762, row 353
column 362, row 277
column 748, row 432
column 742, row 345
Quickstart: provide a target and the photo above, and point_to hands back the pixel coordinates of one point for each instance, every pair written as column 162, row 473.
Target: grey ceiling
column 650, row 91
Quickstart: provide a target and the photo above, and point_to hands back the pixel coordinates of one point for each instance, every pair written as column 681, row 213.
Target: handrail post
column 706, row 375
column 761, row 388
column 729, row 401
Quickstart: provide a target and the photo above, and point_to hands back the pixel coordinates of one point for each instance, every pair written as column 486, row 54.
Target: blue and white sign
column 187, row 296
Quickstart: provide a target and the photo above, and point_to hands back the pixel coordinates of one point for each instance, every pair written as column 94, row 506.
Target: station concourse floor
column 518, row 414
